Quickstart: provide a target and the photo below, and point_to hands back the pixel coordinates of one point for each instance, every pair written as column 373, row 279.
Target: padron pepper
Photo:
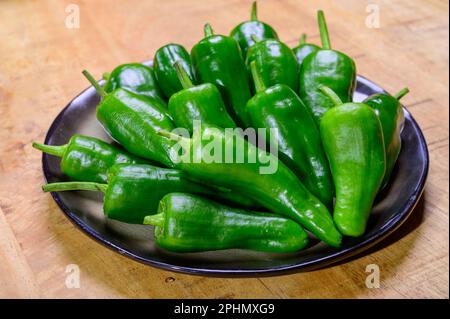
column 243, row 32
column 135, row 77
column 86, row 158
column 134, row 191
column 133, row 120
column 329, row 68
column 163, row 64
column 218, row 60
column 390, row 113
column 202, row 103
column 298, row 138
column 353, row 141
column 189, row 223
column 275, row 63
column 304, row 49
column 253, row 173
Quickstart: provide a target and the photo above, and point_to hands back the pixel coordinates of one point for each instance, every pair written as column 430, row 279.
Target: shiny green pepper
column 165, row 72
column 134, row 191
column 353, row 141
column 390, row 113
column 329, row 68
column 298, row 138
column 133, row 120
column 304, row 49
column 135, row 77
column 189, row 223
column 257, row 175
column 218, row 60
column 202, row 103
column 245, row 31
column 86, row 158
column 275, row 63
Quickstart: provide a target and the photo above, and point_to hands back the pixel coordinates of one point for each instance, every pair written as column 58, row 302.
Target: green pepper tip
column 401, row 93
column 331, row 95
column 324, row 35
column 185, row 81
column 94, row 83
column 254, row 13
column 56, row 150
column 208, row 30
column 302, row 39
column 259, row 83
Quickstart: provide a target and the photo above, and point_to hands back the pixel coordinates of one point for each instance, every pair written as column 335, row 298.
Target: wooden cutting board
column 41, row 57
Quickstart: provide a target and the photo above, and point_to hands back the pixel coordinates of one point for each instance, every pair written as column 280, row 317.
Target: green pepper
column 135, row 77
column 218, row 60
column 298, row 138
column 329, row 68
column 202, row 102
column 353, row 141
column 390, row 113
column 243, row 32
column 133, row 120
column 304, row 49
column 165, row 72
column 189, row 223
column 254, row 173
column 134, row 191
column 275, row 63
column 86, row 158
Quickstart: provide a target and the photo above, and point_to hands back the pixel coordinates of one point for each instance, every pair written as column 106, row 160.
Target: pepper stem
column 259, row 83
column 331, row 95
column 94, row 83
column 106, row 76
column 184, row 142
column 185, row 81
column 56, row 150
column 75, row 186
column 154, row 220
column 208, row 30
column 401, row 93
column 302, row 39
column 324, row 36
column 254, row 13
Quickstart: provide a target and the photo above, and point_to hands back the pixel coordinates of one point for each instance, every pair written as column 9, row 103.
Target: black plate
column 393, row 206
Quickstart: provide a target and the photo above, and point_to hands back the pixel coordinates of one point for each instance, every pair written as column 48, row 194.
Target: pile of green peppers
column 333, row 155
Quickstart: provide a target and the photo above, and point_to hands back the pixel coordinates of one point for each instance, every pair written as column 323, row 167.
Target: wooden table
column 40, row 64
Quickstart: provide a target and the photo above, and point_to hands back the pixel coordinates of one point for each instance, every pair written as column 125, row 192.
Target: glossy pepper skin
column 258, row 175
column 275, row 63
column 133, row 120
column 202, row 103
column 218, row 60
column 165, row 72
column 135, row 77
column 390, row 113
column 133, row 191
column 304, row 49
column 189, row 223
column 86, row 158
column 298, row 138
column 244, row 32
column 329, row 68
column 353, row 140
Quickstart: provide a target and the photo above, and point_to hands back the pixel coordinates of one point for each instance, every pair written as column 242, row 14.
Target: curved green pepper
column 390, row 113
column 353, row 140
column 329, row 68
column 165, row 72
column 135, row 77
column 133, row 120
column 217, row 59
column 189, row 223
column 244, row 31
column 86, row 158
column 304, row 49
column 275, row 63
column 202, row 102
column 299, row 144
column 134, row 191
column 257, row 174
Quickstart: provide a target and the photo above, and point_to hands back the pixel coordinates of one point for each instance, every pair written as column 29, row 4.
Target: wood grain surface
column 40, row 64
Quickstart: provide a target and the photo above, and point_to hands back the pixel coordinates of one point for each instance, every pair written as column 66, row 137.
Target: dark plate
column 393, row 206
